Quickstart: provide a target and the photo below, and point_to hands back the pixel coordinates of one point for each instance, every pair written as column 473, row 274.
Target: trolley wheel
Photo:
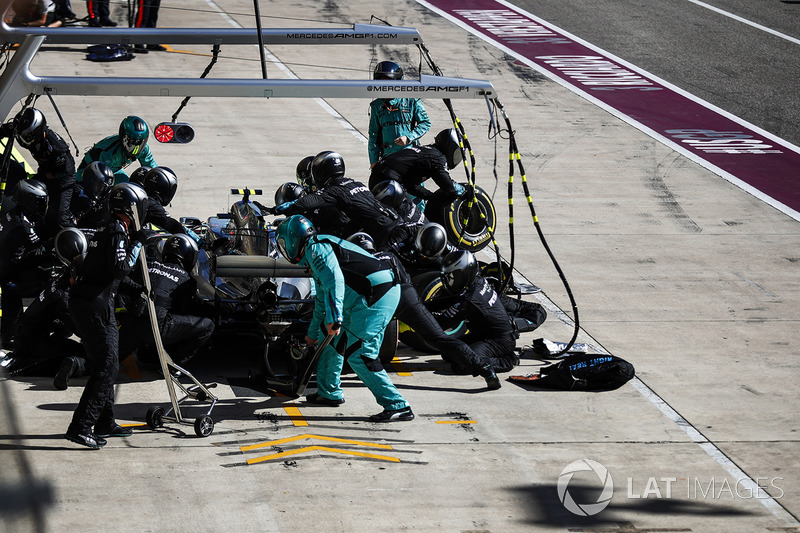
column 155, row 417
column 203, row 426
column 200, row 395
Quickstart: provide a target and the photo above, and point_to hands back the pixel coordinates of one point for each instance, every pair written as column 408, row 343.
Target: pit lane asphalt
column 738, row 55
column 674, row 269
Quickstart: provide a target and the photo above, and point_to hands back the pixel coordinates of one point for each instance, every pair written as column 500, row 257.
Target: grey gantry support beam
column 427, row 87
column 359, row 34
column 13, row 87
column 17, row 81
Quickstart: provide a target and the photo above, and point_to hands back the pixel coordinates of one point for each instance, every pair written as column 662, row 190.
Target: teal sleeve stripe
column 380, row 277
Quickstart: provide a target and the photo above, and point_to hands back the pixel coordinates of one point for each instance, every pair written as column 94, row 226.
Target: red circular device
column 164, row 133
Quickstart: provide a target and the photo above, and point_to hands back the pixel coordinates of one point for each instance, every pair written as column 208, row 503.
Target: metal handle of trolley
column 203, row 425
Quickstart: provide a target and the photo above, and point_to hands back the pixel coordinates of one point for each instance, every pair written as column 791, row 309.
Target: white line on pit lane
column 286, row 70
column 745, row 21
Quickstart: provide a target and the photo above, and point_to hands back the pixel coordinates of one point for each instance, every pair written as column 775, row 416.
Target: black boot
column 492, row 381
column 111, row 429
column 69, row 367
column 84, row 437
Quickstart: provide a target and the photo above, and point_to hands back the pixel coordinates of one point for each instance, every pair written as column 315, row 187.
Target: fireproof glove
column 280, row 209
column 134, row 255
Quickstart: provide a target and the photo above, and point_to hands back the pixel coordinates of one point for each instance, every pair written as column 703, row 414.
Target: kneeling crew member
column 472, row 299
column 412, row 311
column 183, row 331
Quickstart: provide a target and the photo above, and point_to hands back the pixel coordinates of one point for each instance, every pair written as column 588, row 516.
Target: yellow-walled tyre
column 469, row 227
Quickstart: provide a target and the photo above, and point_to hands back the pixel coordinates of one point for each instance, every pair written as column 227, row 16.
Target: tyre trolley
column 156, row 415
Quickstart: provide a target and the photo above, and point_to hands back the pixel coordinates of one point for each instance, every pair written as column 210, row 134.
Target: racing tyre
column 203, row 426
column 468, row 228
column 155, row 417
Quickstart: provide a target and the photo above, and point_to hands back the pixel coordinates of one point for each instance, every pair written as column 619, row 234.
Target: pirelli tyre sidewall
column 429, row 287
column 468, row 228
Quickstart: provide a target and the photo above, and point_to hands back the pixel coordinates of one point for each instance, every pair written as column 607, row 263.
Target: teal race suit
column 111, row 152
column 390, row 119
column 360, row 292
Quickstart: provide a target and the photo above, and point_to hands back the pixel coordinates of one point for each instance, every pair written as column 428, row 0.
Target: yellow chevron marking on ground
column 322, row 449
column 456, row 421
column 310, row 436
column 295, row 415
column 399, row 367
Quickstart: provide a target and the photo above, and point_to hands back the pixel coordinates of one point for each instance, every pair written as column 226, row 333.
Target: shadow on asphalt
column 546, row 509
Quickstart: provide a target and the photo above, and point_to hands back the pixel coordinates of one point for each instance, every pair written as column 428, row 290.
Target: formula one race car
column 257, row 295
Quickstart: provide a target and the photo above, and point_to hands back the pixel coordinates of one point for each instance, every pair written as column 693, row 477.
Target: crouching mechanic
column 183, row 331
column 42, row 338
column 412, row 167
column 56, row 165
column 161, row 184
column 119, row 151
column 472, row 299
column 23, row 261
column 356, row 298
column 335, row 190
column 411, row 311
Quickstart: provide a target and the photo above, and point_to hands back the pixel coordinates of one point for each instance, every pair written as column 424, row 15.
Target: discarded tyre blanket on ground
column 588, row 372
column 109, row 52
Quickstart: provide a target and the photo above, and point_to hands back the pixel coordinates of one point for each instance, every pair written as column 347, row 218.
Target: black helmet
column 71, row 246
column 123, row 195
column 363, row 240
column 97, row 178
column 180, row 249
column 431, row 240
column 289, row 192
column 387, row 70
column 137, row 176
column 446, row 141
column 133, row 134
column 160, row 183
column 459, row 269
column 303, row 172
column 326, row 166
column 390, row 193
column 29, row 124
column 31, row 197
